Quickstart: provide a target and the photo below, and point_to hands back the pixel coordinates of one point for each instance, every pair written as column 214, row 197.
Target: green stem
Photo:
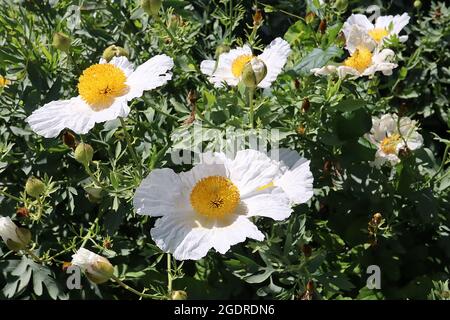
column 130, row 146
column 127, row 287
column 441, row 167
column 90, row 231
column 251, row 106
column 94, row 178
column 6, row 194
column 32, row 255
column 169, row 274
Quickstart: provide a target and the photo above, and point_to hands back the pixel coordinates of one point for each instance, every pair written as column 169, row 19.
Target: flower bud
column 417, row 4
column 309, row 18
column 376, row 219
column 69, row 139
column 179, row 295
column 22, row 212
column 114, row 51
column 61, row 41
column 341, row 5
column 151, row 7
column 306, row 105
column 97, row 269
column 34, row 187
column 14, row 237
column 323, row 26
column 254, row 72
column 257, row 18
column 94, row 194
column 84, row 153
column 223, row 48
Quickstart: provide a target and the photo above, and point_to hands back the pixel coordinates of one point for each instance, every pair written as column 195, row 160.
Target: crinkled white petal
column 8, row 230
column 121, row 62
column 324, row 71
column 359, row 20
column 73, row 114
column 380, row 62
column 84, row 258
column 297, row 179
column 159, row 193
column 344, row 71
column 207, row 67
column 152, row 74
column 223, row 72
column 186, row 239
column 251, row 170
column 275, row 57
column 202, row 170
column 272, row 202
column 358, row 37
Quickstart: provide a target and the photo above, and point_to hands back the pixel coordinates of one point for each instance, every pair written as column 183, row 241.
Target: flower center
column 389, row 144
column 239, row 63
column 360, row 59
column 215, row 197
column 100, row 84
column 378, row 33
column 4, row 82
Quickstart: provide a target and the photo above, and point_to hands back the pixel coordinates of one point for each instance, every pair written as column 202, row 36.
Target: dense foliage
column 323, row 250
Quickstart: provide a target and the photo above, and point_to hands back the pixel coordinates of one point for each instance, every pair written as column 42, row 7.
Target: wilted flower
column 230, row 65
column 384, row 27
column 211, row 205
column 390, row 134
column 14, row 237
column 96, row 268
column 104, row 91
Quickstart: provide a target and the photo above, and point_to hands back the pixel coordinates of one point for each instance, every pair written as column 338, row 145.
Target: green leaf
column 316, row 59
column 353, row 125
column 350, row 105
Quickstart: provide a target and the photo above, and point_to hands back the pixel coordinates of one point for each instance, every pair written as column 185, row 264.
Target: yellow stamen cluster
column 389, row 144
column 100, row 84
column 378, row 34
column 215, row 197
column 239, row 63
column 360, row 60
column 4, row 82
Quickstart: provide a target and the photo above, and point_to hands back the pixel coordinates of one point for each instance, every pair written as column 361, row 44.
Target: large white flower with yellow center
column 365, row 59
column 230, row 65
column 104, row 91
column 211, row 205
column 384, row 27
column 390, row 134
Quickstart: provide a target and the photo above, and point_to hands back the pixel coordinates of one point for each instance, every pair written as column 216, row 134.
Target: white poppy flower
column 8, row 230
column 362, row 61
column 97, row 268
column 230, row 65
column 384, row 27
column 391, row 134
column 104, row 91
column 211, row 205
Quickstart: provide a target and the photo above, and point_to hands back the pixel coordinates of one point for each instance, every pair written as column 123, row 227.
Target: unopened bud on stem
column 114, row 51
column 61, row 41
column 254, row 72
column 98, row 269
column 34, row 187
column 84, row 153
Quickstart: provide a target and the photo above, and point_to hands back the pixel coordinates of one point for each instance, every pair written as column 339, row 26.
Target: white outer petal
column 325, row 70
column 84, row 258
column 121, row 62
column 250, row 170
column 74, row 114
column 358, row 37
column 159, row 194
column 207, row 67
column 272, row 203
column 359, row 20
column 223, row 72
column 344, row 71
column 186, row 239
column 8, row 230
column 150, row 75
column 275, row 57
